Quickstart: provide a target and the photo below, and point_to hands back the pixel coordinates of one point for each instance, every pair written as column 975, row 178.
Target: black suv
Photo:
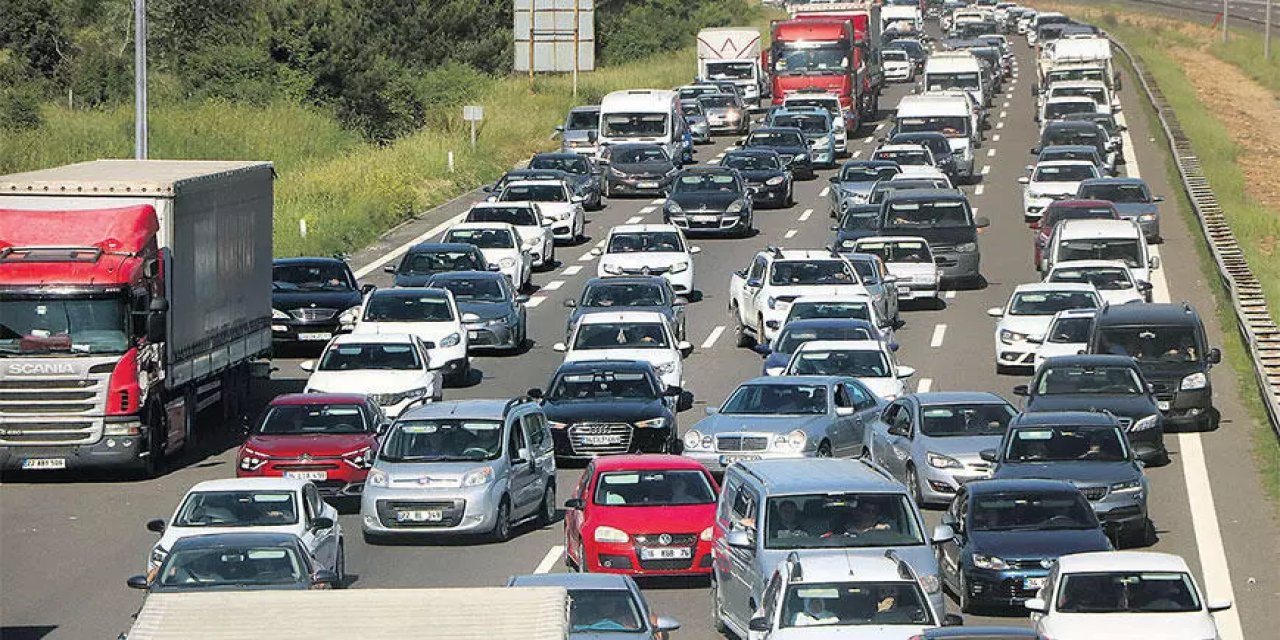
column 604, row 407
column 1113, row 384
column 1169, row 344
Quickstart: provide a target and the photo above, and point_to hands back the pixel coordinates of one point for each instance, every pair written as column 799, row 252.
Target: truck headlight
column 984, row 561
column 680, row 267
column 611, row 535
column 277, row 314
column 477, row 477
column 1145, row 423
column 939, row 461
column 1193, row 382
column 451, row 340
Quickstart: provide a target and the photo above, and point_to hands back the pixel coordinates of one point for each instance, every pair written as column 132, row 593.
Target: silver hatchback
column 467, row 466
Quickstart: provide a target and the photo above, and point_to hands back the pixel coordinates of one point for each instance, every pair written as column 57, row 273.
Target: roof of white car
column 847, row 566
column 1099, row 228
column 1089, row 264
column 918, row 171
column 804, row 254
column 372, row 338
column 1079, row 84
column 643, row 228
column 902, row 147
column 1053, row 286
column 840, row 345
column 888, row 239
column 463, row 226
column 602, row 317
column 1064, row 163
column 852, row 296
column 1108, row 561
column 526, row 183
column 1075, row 313
column 504, row 205
column 246, row 484
column 1066, row 99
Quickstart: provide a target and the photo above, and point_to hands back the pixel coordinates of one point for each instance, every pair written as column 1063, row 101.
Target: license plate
column 904, row 289
column 646, row 185
column 706, row 218
column 666, row 553
column 307, row 475
column 314, row 336
column 1163, row 404
column 44, row 463
column 601, row 440
column 728, row 460
column 1032, row 583
column 434, row 515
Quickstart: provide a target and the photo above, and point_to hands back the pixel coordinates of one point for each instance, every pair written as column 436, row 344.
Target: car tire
column 824, row 450
column 501, row 531
column 913, row 484
column 740, row 337
column 547, row 510
column 340, row 567
column 962, row 597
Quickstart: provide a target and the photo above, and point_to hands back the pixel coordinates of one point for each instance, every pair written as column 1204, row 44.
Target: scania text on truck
column 864, row 18
column 133, row 294
column 733, row 54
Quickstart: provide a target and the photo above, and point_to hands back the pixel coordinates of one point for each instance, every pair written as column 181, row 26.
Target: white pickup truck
column 764, row 290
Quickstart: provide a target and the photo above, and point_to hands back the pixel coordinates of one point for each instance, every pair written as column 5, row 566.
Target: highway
column 67, row 545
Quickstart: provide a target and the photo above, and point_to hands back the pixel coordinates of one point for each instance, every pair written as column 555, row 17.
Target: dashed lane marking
column 986, row 170
column 586, row 257
column 999, row 125
column 977, row 191
column 553, row 285
column 951, row 294
column 805, row 214
column 880, row 126
column 825, row 191
column 711, row 339
column 535, row 301
column 991, row 153
column 658, row 201
column 572, row 271
column 791, row 233
column 939, row 332
column 995, row 137
column 1003, row 114
column 854, row 155
column 634, row 219
column 648, row 209
column 924, row 385
column 550, row 560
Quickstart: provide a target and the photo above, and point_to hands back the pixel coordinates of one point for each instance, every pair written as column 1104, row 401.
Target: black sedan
column 307, row 296
column 710, row 200
column 581, row 174
column 768, row 180
column 790, row 144
column 237, row 562
column 637, row 169
column 609, row 407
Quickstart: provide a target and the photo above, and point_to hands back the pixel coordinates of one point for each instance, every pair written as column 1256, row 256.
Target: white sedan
column 391, row 368
column 429, row 314
column 557, row 203
column 1112, row 278
column 1027, row 315
column 629, row 335
column 535, row 232
column 1053, row 180
column 870, row 361
column 255, row 505
column 648, row 249
column 500, row 243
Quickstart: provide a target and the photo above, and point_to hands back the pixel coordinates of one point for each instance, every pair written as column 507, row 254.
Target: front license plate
column 307, row 475
column 316, row 337
column 44, row 463
column 728, row 460
column 666, row 553
column 434, row 515
column 904, row 289
column 1163, row 404
column 706, row 218
column 601, row 440
column 646, row 185
column 1032, row 583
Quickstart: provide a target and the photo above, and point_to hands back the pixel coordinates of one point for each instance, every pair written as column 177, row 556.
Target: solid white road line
column 791, row 233
column 550, row 560
column 535, row 301
column 402, row 249
column 939, row 332
column 825, row 191
column 711, row 339
column 805, row 214
column 924, row 385
column 977, row 191
column 951, row 294
column 572, row 271
column 648, row 209
column 553, row 285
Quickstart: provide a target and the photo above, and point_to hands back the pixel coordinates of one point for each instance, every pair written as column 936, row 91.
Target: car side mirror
column 711, row 411
column 844, row 411
column 574, row 503
column 905, row 371
column 137, row 582
column 1145, row 286
column 754, row 282
column 833, row 179
column 1035, row 150
column 1214, row 356
column 898, row 430
column 576, row 199
column 1154, row 262
column 685, row 348
column 487, row 188
column 981, row 222
column 322, row 523
column 890, row 279
column 762, row 348
column 545, row 222
column 367, row 289
column 1219, row 605
column 391, row 268
column 559, row 347
column 1035, row 224
column 156, row 526
column 522, row 456
column 494, row 267
column 942, row 533
column 693, row 251
column 988, row 454
column 760, row 623
column 672, row 391
column 740, row 539
column 679, row 301
column 604, row 162
column 1022, row 390
column 995, row 312
column 307, row 365
column 570, row 303
column 665, row 624
column 1024, row 180
column 324, row 576
column 1157, row 199
column 953, row 620
column 1038, row 605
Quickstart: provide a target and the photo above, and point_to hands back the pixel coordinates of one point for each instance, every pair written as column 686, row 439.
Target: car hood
column 691, row 518
column 819, row 290
column 611, row 410
column 1052, row 188
column 407, row 475
column 292, row 586
column 884, row 386
column 1135, row 406
column 714, row 201
column 366, row 381
column 428, row 331
column 1134, row 209
column 656, row 169
column 776, row 360
column 1030, row 325
column 652, row 356
column 720, row 423
column 760, row 175
column 1192, row 625
column 606, row 635
column 862, row 632
column 1075, row 471
column 316, row 444
column 1038, row 544
column 964, row 448
column 1168, row 372
column 787, row 151
column 578, row 312
column 486, row 310
column 413, row 279
column 861, row 188
column 290, row 300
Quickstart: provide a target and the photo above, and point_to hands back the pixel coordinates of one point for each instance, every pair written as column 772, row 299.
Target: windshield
column 1056, row 213
column 623, row 295
column 1072, row 380
column 47, row 324
column 854, row 604
column 922, row 214
column 905, row 156
column 863, row 173
column 483, row 238
column 841, row 521
column 576, row 164
column 357, row 357
column 638, row 155
column 304, row 419
column 658, row 488
column 1070, row 331
column 1059, row 75
column 602, row 385
column 832, row 105
column 476, row 290
column 1129, row 192
column 428, row 262
column 1031, row 512
column 811, row 272
column 311, row 277
column 1152, row 343
column 634, row 125
column 730, row 70
column 518, row 216
column 963, row 420
column 1055, row 110
column 1047, row 303
column 806, row 310
column 776, row 139
column 443, row 440
column 1089, row 155
column 807, row 124
column 707, row 183
column 716, row 101
column 394, row 306
column 841, row 362
column 1124, row 592
column 237, row 509
column 618, row 335
column 599, row 610
column 897, row 252
column 810, row 58
column 777, row 399
column 1059, row 444
column 859, row 220
column 945, row 81
column 238, row 565
column 752, row 162
column 647, row 241
column 1065, row 173
column 896, row 55
column 534, row 193
column 579, row 120
column 690, row 108
column 1074, row 136
column 1123, row 249
column 1097, row 94
column 1102, row 278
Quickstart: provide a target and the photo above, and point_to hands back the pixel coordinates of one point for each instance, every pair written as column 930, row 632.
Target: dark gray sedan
column 635, row 169
column 492, row 311
column 581, row 174
column 237, row 562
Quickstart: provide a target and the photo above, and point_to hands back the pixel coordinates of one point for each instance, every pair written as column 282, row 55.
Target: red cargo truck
column 867, row 73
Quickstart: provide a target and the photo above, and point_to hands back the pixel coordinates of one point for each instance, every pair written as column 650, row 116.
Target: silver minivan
column 466, row 466
column 769, row 509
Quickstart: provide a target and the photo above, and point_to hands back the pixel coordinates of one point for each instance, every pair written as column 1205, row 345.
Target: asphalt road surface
column 67, row 544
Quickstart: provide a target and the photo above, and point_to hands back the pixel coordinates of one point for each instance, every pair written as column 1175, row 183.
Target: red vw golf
column 327, row 438
column 642, row 515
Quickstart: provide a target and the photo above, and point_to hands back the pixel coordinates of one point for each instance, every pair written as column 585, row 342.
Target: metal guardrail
column 1252, row 316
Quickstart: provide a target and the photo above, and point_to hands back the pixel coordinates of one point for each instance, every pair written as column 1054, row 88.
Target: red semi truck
column 133, row 295
column 866, row 77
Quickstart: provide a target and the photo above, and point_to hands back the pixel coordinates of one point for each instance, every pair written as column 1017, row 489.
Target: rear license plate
column 316, row 337
column 646, row 185
column 728, row 460
column 307, row 475
column 1032, row 583
column 1163, row 404
column 420, row 516
column 601, row 440
column 44, row 463
column 666, row 553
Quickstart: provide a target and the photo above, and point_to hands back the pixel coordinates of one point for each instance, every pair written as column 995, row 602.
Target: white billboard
column 548, row 27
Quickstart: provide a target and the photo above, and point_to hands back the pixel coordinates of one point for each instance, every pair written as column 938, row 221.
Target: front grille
column 305, row 466
column 666, row 565
column 594, row 438
column 50, row 397
column 312, row 314
column 1025, row 564
column 742, row 443
column 47, row 408
column 29, row 437
column 451, row 510
column 1012, row 588
column 482, row 338
column 677, row 539
column 646, row 271
column 1094, row 493
column 46, row 384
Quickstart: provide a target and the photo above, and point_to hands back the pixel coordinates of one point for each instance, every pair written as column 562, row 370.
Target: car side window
column 962, row 510
column 584, row 481
column 861, row 399
column 842, row 396
column 535, row 425
column 757, row 269
column 904, row 420
column 890, row 414
column 743, row 512
column 515, row 440
column 311, row 502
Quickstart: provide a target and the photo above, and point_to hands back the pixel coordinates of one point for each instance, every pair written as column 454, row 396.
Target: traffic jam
column 835, row 490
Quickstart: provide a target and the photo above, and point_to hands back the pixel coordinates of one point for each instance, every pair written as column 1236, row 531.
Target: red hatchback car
column 642, row 515
column 329, row 439
column 1060, row 210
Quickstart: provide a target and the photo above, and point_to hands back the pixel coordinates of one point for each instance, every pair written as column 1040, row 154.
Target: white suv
column 391, row 368
column 909, row 259
column 1053, row 180
column 429, row 314
column 645, row 336
column 1027, row 315
column 500, row 244
column 556, row 202
column 648, row 250
column 760, row 295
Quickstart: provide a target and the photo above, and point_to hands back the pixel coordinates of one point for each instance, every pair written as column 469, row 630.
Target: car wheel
column 717, row 607
column 913, row 483
column 824, row 450
column 547, row 511
column 340, row 567
column 740, row 337
column 966, row 602
column 501, row 531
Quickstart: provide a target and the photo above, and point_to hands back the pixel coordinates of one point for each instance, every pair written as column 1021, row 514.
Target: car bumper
column 958, row 267
column 917, row 291
column 824, row 157
column 109, row 452
column 340, row 479
column 775, row 195
column 1191, row 409
column 626, row 559
column 1009, row 588
column 717, row 461
column 483, row 337
column 572, row 447
column 639, row 186
column 564, row 229
column 463, row 510
column 1033, row 208
column 719, row 125
column 939, row 486
column 1148, row 445
column 1127, row 513
column 711, row 223
column 317, row 332
column 899, row 74
column 1018, row 354
column 801, row 168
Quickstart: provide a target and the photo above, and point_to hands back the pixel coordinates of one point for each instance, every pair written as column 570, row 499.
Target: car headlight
column 1194, row 381
column 821, row 143
column 557, row 425
column 1145, row 423
column 664, row 368
column 251, row 460
column 349, row 317
column 377, row 478
column 1010, row 337
column 931, row 583
column 1147, row 217
column 736, row 206
column 673, row 207
column 706, row 534
column 1129, row 487
column 939, row 461
column 655, row 423
column 775, row 181
column 848, row 244
column 611, row 269
column 693, row 439
column 984, row 561
column 966, row 247
column 477, row 477
column 451, row 340
column 609, row 534
column 361, row 458
column 680, row 267
column 794, row 441
column 507, row 263
column 277, row 314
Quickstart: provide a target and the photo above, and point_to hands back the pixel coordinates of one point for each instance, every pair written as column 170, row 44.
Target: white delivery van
column 956, row 70
column 643, row 115
column 732, row 54
column 949, row 115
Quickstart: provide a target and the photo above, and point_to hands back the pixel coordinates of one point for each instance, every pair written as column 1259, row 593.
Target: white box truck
column 733, row 54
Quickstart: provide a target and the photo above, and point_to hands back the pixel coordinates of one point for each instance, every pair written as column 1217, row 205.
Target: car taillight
column 122, row 389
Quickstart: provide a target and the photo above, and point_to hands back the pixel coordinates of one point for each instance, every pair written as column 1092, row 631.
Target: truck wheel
column 157, row 428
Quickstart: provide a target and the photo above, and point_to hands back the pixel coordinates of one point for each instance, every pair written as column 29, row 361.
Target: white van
column 956, row 70
column 1102, row 240
column 949, row 115
column 643, row 115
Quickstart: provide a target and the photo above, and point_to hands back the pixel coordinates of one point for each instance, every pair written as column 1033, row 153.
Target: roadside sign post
column 140, row 79
column 1266, row 33
column 473, row 113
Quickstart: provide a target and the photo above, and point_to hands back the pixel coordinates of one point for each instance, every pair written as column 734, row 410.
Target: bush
column 20, row 110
